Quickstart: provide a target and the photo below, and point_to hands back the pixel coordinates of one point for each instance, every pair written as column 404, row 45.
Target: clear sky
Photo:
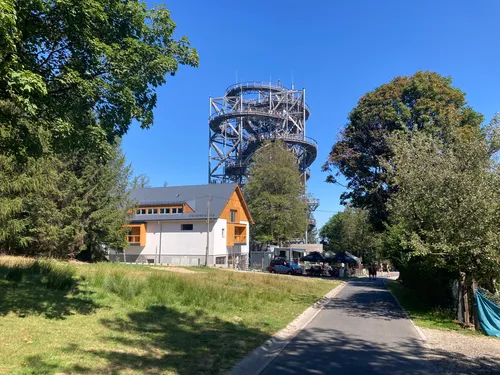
column 337, row 51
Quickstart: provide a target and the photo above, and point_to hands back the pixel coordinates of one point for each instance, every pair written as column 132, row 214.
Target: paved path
column 362, row 331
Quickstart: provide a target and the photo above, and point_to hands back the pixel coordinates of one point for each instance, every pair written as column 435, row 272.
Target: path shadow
column 162, row 339
column 30, row 297
column 371, row 300
column 329, row 351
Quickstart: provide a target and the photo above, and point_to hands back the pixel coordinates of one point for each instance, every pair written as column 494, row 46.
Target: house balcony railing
column 240, row 239
column 134, row 239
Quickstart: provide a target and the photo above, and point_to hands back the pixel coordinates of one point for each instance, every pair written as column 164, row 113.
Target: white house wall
column 218, row 241
column 184, row 248
column 245, row 248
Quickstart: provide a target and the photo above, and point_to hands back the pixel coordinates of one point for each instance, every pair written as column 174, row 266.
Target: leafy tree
column 275, row 195
column 140, row 181
column 424, row 102
column 312, row 235
column 75, row 74
column 447, row 205
column 351, row 231
column 73, row 77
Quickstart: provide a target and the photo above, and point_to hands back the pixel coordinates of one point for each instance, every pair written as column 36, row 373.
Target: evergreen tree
column 61, row 207
column 275, row 195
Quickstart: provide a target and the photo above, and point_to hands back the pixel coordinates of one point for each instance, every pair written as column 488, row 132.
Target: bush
column 431, row 284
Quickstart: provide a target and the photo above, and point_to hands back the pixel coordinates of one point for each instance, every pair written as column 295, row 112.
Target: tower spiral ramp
column 248, row 115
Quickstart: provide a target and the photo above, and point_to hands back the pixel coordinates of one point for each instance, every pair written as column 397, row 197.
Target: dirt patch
column 174, row 269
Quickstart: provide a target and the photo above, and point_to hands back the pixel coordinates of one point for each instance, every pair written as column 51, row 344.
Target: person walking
column 388, row 270
column 372, row 271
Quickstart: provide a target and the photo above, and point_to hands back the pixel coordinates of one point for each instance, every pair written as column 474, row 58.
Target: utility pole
column 208, row 230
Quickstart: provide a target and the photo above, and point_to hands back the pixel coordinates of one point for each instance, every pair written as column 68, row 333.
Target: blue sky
column 337, row 50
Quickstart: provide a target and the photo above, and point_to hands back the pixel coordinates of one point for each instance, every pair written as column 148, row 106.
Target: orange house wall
column 234, row 203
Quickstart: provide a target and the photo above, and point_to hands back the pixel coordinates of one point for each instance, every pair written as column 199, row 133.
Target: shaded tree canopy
column 425, row 102
column 275, row 195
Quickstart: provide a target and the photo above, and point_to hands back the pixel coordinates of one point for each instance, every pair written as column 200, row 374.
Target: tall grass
column 49, row 272
column 216, row 291
column 143, row 286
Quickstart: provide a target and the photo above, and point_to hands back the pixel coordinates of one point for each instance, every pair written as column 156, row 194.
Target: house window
column 180, row 210
column 137, row 212
column 162, row 210
column 174, row 210
column 155, row 211
column 232, row 216
column 186, row 226
column 167, row 210
column 150, row 211
column 220, row 260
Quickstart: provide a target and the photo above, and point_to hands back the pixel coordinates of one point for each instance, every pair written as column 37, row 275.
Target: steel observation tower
column 248, row 115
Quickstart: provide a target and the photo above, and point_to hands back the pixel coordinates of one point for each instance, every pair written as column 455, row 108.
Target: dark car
column 279, row 265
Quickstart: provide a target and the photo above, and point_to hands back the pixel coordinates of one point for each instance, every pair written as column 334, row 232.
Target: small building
column 169, row 226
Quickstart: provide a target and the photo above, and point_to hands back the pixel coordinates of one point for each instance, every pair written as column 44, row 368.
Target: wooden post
column 474, row 307
column 465, row 299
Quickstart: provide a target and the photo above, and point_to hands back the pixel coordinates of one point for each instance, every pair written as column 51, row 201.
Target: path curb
column 261, row 357
column 420, row 333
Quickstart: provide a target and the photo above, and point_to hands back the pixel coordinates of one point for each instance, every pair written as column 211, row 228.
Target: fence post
column 474, row 307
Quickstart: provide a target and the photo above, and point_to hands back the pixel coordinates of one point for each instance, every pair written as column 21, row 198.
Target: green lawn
column 119, row 319
column 422, row 315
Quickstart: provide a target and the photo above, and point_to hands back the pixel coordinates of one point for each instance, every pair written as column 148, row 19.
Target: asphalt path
column 361, row 331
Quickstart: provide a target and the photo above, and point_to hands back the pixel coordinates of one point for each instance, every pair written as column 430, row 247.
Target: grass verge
column 125, row 319
column 424, row 315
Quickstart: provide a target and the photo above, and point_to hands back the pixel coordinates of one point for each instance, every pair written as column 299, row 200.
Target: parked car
column 279, row 265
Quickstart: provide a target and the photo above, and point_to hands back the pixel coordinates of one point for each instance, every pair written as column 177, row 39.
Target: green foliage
column 351, row 231
column 60, row 206
column 423, row 313
column 75, row 74
column 275, row 195
column 448, row 203
column 424, row 102
column 141, row 181
column 312, row 235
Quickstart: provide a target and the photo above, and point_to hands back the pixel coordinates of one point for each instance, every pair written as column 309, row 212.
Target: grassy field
column 119, row 319
column 422, row 315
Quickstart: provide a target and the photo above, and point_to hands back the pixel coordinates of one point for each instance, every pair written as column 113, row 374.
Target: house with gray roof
column 188, row 226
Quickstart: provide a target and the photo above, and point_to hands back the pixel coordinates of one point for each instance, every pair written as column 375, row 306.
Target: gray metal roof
column 195, row 196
